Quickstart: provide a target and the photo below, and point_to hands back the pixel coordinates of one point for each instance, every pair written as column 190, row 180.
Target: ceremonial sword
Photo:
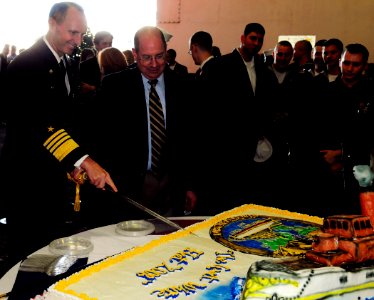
column 84, row 176
column 150, row 211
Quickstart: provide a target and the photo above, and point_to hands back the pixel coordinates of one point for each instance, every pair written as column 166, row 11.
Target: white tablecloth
column 106, row 243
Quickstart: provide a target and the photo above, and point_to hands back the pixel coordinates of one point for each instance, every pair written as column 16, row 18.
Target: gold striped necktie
column 157, row 124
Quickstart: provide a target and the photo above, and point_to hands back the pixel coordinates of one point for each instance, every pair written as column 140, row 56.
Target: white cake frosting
column 301, row 279
column 189, row 264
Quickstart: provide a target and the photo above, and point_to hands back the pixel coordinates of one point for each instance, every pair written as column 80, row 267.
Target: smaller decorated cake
column 344, row 239
column 340, row 265
column 295, row 278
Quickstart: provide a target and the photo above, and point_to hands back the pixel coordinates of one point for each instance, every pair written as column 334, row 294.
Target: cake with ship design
column 339, row 266
column 211, row 259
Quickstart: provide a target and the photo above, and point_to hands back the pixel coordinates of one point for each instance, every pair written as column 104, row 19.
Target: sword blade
column 151, row 212
column 140, row 206
column 145, row 209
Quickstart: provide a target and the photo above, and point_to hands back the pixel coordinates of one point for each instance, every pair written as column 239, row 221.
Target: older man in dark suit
column 127, row 128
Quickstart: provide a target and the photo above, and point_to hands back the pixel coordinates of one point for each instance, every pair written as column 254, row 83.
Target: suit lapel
column 242, row 69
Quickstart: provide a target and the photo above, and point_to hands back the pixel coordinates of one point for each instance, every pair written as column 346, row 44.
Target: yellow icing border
column 62, row 285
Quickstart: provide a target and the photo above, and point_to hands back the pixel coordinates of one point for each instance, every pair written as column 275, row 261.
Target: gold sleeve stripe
column 65, row 149
column 60, row 144
column 60, row 141
column 53, row 138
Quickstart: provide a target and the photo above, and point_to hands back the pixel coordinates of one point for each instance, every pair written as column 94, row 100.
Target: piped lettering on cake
column 215, row 270
column 182, row 256
column 212, row 274
column 174, row 291
column 155, row 272
column 222, row 258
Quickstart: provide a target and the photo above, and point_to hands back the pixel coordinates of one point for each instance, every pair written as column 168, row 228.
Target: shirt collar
column 58, row 58
column 160, row 79
column 205, row 61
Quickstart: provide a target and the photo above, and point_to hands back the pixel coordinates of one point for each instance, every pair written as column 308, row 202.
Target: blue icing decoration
column 231, row 291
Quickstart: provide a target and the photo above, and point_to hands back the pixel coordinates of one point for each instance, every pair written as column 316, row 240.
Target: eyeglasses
column 147, row 59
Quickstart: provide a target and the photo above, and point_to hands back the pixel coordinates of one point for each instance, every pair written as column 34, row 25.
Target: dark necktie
column 198, row 72
column 157, row 124
column 63, row 75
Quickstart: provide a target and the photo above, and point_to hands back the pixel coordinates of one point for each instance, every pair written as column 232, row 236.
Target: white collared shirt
column 205, row 61
column 251, row 72
column 58, row 58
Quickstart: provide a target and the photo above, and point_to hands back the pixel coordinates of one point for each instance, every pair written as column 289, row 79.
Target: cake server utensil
column 60, row 265
column 52, row 265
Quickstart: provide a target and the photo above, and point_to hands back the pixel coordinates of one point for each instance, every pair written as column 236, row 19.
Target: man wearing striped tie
column 143, row 122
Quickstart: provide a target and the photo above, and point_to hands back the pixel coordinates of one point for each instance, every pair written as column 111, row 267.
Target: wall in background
column 350, row 21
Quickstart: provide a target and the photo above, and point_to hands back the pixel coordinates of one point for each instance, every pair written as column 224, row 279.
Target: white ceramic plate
column 135, row 228
column 71, row 245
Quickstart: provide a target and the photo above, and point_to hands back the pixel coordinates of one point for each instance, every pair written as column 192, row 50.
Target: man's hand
column 334, row 159
column 190, row 203
column 96, row 174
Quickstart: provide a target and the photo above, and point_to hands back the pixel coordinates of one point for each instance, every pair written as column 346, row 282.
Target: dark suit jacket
column 231, row 120
column 4, row 63
column 34, row 187
column 123, row 127
column 238, row 75
column 3, row 68
column 38, row 108
column 90, row 71
column 180, row 69
column 208, row 69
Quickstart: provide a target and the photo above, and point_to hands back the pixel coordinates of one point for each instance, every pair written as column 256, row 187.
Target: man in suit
column 201, row 45
column 345, row 119
column 41, row 150
column 179, row 69
column 89, row 70
column 230, row 121
column 126, row 124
